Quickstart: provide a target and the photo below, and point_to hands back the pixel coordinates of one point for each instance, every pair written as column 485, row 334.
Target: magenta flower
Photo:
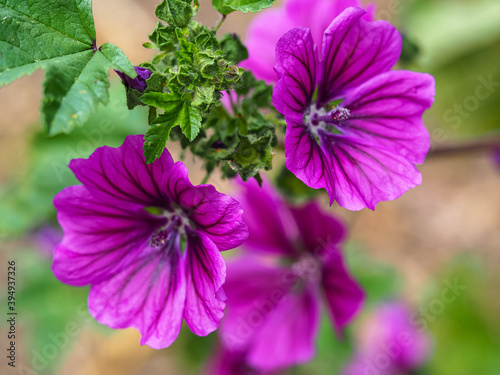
column 140, row 82
column 389, row 343
column 225, row 362
column 363, row 150
column 496, row 156
column 47, row 238
column 271, row 24
column 147, row 241
column 274, row 299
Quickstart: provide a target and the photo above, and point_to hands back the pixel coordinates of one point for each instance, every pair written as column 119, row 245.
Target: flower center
column 176, row 225
column 307, row 268
column 328, row 121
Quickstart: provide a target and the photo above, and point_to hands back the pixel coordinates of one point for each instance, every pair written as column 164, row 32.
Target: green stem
column 220, row 22
column 233, row 105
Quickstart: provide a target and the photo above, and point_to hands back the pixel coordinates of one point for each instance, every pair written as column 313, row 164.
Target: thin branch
column 480, row 145
column 220, row 22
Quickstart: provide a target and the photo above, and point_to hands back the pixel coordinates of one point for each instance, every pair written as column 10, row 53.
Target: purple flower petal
column 287, row 336
column 148, row 294
column 388, row 110
column 140, row 82
column 318, row 229
column 253, row 290
column 496, row 157
column 225, row 362
column 122, row 173
column 263, row 33
column 389, row 329
column 365, row 174
column 267, row 27
column 385, row 327
column 47, row 238
column 354, row 51
column 343, row 294
column 305, row 159
column 215, row 214
column 296, row 58
column 353, row 171
column 205, row 274
column 100, row 238
column 269, row 223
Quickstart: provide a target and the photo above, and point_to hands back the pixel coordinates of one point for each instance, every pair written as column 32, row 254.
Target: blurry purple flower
column 389, row 343
column 225, row 362
column 273, row 308
column 496, row 156
column 271, row 24
column 147, row 241
column 139, row 83
column 47, row 238
column 363, row 150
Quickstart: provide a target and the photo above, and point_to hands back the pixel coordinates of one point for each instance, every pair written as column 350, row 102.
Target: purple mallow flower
column 47, row 238
column 225, row 362
column 273, row 307
column 362, row 150
column 271, row 24
column 496, row 156
column 147, row 241
column 140, row 82
column 389, row 343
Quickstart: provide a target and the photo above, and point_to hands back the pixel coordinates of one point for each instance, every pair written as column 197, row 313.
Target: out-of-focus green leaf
column 229, row 6
column 27, row 202
column 467, row 328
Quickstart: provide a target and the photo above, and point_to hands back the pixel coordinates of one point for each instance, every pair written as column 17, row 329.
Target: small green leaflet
column 228, row 6
column 59, row 37
column 178, row 111
column 175, row 12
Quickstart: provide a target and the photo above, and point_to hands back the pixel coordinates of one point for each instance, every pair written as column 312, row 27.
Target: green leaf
column 233, row 49
column 190, row 118
column 175, row 12
column 178, row 111
column 58, row 36
column 156, row 139
column 73, row 87
column 204, row 96
column 228, row 6
column 119, row 61
column 169, row 101
column 35, row 33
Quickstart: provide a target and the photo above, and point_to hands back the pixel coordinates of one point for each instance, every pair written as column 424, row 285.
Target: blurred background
column 445, row 231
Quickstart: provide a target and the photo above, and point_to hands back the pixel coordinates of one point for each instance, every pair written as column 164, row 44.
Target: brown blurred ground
column 455, row 210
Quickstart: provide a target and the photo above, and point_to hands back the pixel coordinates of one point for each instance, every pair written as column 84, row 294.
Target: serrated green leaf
column 34, row 33
column 156, row 139
column 58, row 36
column 175, row 12
column 203, row 95
column 190, row 118
column 163, row 37
column 168, row 101
column 228, row 6
column 178, row 111
column 119, row 61
column 73, row 87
